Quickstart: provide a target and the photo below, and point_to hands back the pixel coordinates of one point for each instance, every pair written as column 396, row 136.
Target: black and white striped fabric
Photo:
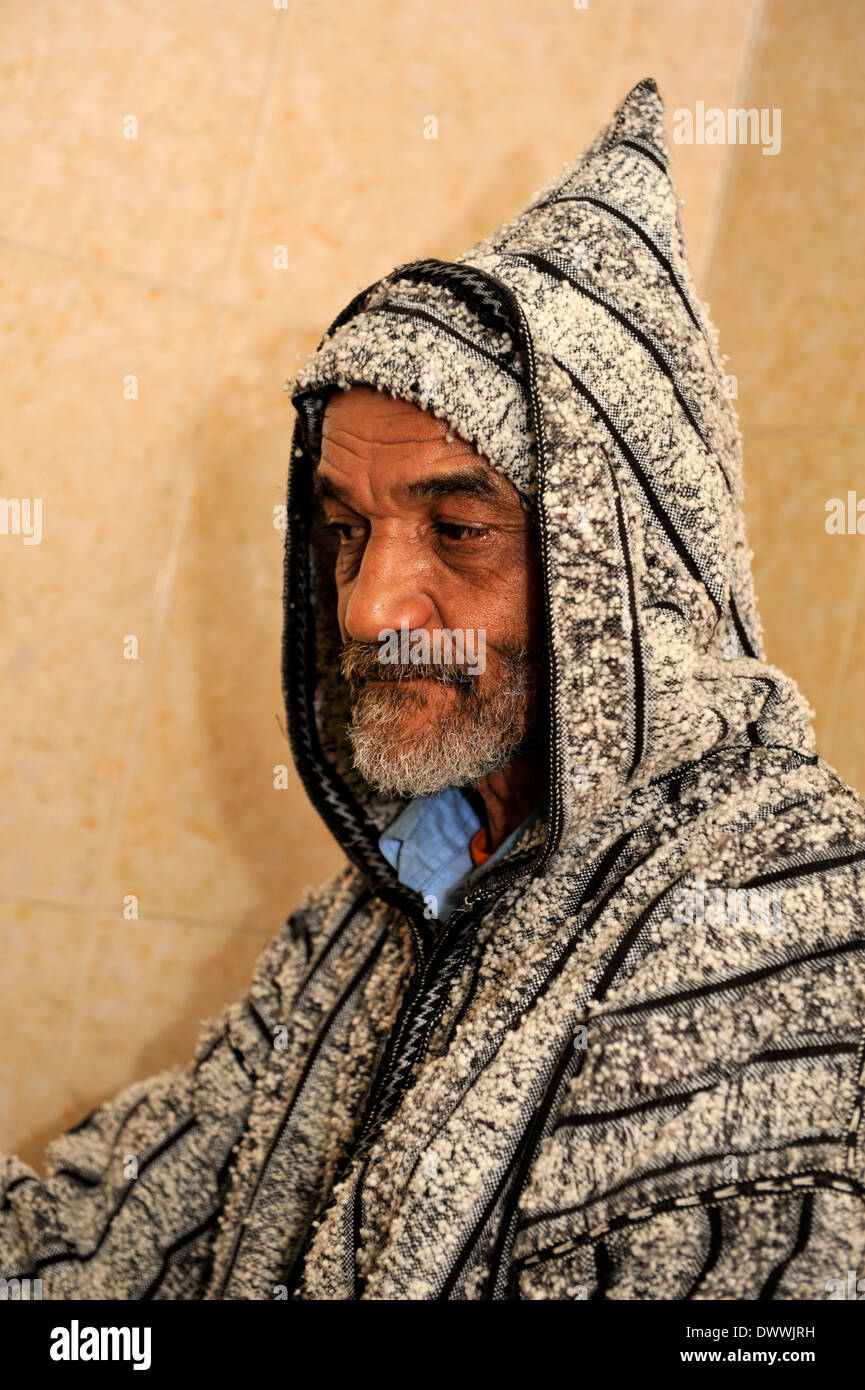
column 636, row 1070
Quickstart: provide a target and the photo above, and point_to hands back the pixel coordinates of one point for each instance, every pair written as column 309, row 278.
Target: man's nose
column 387, row 592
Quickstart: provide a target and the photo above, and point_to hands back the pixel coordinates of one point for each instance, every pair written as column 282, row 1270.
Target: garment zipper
column 396, row 1074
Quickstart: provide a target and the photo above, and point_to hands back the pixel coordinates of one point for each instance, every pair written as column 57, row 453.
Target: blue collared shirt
column 428, row 845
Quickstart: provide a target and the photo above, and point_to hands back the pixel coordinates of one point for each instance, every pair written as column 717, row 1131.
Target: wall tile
column 42, row 953
column 162, row 206
column 786, row 285
column 346, row 180
column 203, row 832
column 108, row 473
column 845, row 732
column 147, row 988
column 805, row 578
column 693, row 56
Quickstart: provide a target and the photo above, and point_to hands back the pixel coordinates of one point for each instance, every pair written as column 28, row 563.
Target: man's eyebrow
column 472, row 482
column 323, row 487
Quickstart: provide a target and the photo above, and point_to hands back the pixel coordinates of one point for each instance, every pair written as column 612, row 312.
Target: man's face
column 431, row 540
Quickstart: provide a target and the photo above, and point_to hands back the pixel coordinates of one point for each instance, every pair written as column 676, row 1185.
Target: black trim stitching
column 557, row 271
column 646, row 151
column 802, row 1236
column 694, row 1161
column 648, row 240
column 309, row 1063
column 820, row 1179
column 713, row 1252
column 631, row 459
column 149, row 1291
column 67, row 1255
column 640, row 713
column 733, row 982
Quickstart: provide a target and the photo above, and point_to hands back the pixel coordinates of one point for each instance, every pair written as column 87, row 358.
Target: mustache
column 360, row 661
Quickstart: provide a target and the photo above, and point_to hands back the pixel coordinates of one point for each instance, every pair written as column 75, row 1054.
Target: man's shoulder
column 750, row 977
column 722, row 1055
column 706, row 1105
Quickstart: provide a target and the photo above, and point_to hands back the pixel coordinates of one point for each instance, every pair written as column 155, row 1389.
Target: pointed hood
column 569, row 347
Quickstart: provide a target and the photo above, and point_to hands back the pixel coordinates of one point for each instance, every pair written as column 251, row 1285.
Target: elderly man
column 582, row 1017
column 431, row 540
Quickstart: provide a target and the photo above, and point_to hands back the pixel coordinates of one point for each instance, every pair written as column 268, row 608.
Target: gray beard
column 483, row 731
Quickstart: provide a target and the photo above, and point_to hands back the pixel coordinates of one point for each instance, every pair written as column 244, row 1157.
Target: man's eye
column 454, row 531
column 347, row 531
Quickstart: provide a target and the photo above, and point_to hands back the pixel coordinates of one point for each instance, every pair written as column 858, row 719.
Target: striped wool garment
column 611, row 1072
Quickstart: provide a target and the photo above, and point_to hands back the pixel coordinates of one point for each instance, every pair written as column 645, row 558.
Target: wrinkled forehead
column 378, row 414
column 364, row 424
column 423, row 455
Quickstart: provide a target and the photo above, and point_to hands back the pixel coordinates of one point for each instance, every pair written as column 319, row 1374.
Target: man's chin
column 417, row 737
column 410, row 706
column 412, row 776
column 415, row 758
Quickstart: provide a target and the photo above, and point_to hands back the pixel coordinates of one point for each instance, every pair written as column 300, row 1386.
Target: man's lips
column 398, row 680
column 407, row 680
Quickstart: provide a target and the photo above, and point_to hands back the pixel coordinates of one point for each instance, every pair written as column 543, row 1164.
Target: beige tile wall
column 153, row 258
column 787, row 290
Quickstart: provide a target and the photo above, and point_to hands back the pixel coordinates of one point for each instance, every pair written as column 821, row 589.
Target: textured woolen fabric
column 607, row 1075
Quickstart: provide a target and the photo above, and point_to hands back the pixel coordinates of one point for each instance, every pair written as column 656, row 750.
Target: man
column 582, row 1017
column 427, row 534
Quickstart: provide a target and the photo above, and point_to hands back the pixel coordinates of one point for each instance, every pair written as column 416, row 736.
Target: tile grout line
column 264, row 106
column 77, row 909
column 857, row 607
column 617, row 46
column 794, row 431
column 166, row 287
column 750, row 45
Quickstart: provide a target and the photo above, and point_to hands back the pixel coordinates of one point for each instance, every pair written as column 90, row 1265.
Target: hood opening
column 570, row 349
column 316, row 698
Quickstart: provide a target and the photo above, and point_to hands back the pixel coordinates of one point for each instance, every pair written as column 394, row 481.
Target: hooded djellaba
column 592, row 1078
